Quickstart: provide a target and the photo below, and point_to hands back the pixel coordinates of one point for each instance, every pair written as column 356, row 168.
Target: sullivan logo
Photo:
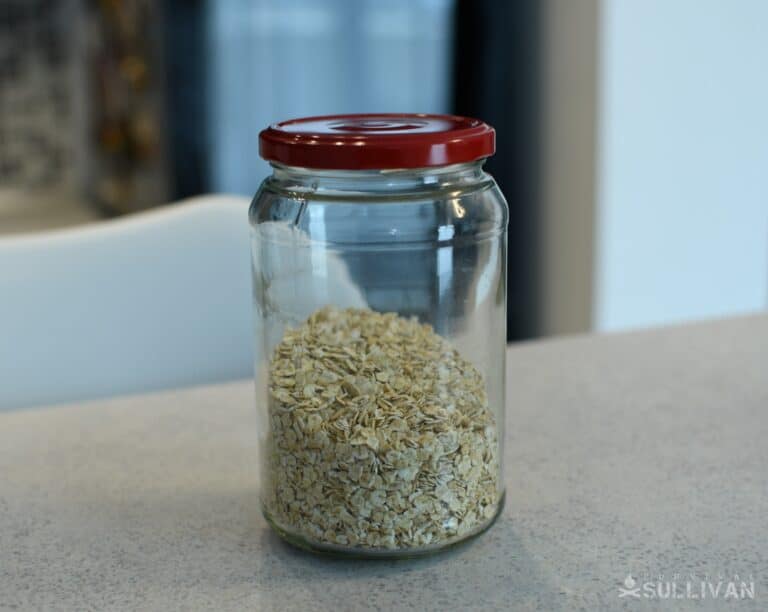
column 691, row 588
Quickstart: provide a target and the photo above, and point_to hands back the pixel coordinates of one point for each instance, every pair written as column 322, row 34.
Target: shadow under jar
column 379, row 270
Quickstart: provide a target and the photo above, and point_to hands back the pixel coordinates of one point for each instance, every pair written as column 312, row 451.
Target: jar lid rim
column 372, row 141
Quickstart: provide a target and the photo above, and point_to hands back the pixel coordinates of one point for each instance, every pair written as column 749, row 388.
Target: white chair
column 156, row 300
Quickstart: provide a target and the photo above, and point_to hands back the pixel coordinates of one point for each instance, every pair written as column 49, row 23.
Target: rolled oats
column 380, row 434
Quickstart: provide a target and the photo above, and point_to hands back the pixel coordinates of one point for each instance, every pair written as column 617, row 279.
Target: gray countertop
column 642, row 454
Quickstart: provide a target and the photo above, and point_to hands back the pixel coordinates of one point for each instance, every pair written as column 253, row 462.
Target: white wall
column 682, row 168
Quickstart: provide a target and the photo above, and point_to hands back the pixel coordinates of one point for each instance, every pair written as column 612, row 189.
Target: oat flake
column 380, row 434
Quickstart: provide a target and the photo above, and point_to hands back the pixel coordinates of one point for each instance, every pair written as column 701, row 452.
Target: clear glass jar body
column 380, row 301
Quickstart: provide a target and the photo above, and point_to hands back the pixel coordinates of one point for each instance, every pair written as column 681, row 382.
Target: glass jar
column 379, row 271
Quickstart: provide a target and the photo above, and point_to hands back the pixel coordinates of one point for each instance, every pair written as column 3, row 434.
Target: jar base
column 351, row 552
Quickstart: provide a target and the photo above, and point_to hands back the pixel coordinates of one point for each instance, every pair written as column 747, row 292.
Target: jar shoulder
column 470, row 209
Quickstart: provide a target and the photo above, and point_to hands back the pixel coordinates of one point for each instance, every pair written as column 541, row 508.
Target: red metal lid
column 377, row 141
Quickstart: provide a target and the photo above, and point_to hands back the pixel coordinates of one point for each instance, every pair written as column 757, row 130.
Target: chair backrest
column 155, row 300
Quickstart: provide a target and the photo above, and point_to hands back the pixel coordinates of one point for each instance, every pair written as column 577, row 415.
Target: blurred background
column 632, row 135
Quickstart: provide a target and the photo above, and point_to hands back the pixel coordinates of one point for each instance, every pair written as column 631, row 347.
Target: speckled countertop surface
column 642, row 454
